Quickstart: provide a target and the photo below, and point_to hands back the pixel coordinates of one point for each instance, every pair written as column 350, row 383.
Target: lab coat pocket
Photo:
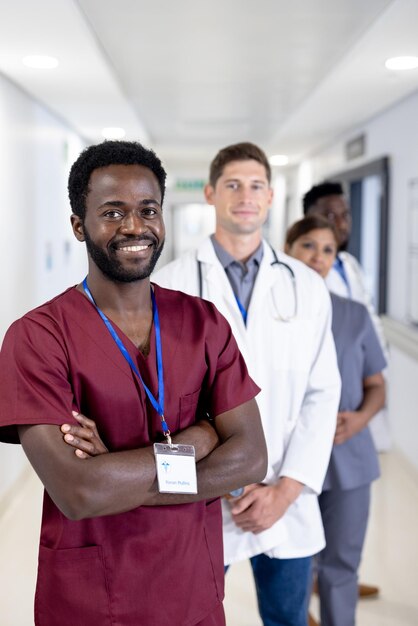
column 72, row 588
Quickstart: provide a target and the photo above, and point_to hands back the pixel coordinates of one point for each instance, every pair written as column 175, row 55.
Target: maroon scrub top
column 152, row 565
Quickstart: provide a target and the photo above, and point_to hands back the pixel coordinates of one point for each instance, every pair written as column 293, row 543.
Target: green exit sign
column 190, row 184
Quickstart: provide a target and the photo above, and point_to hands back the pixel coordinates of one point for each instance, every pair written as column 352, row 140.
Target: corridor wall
column 39, row 256
column 392, row 133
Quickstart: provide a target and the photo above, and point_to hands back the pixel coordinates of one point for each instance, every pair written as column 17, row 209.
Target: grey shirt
column 354, row 463
column 240, row 275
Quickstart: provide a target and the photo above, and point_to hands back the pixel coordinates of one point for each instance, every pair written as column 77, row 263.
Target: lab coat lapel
column 217, row 288
column 213, row 274
column 264, row 282
column 266, row 275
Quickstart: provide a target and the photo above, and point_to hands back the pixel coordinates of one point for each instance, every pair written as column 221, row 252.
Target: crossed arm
column 256, row 510
column 231, row 454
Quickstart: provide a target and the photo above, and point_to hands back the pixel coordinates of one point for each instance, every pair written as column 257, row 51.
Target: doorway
column 367, row 190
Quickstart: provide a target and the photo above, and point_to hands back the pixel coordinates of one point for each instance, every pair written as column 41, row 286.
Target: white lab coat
column 379, row 427
column 295, row 365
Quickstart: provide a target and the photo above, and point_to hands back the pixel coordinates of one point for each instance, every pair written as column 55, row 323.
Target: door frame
column 379, row 167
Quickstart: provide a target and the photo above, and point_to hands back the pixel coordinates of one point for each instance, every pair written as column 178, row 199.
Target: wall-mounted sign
column 355, row 148
column 190, row 184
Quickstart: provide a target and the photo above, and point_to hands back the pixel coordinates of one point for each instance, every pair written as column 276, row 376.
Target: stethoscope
column 278, row 316
column 292, row 316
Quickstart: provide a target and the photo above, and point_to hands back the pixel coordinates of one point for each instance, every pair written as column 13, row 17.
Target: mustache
column 134, row 240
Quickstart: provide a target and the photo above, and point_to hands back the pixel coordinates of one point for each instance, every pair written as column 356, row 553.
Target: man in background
column 346, row 278
column 280, row 315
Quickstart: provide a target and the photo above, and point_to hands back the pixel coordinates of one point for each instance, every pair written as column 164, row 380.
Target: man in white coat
column 346, row 277
column 280, row 314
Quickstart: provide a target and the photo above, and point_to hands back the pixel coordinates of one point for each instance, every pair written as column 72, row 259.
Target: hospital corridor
column 261, row 156
column 389, row 558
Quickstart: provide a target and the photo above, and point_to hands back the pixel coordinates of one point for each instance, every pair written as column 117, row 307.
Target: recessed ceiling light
column 279, row 159
column 113, row 132
column 40, row 62
column 401, row 63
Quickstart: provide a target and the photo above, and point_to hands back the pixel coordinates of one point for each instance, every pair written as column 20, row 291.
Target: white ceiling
column 190, row 76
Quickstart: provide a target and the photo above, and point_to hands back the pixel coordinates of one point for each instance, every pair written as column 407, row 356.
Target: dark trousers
column 283, row 589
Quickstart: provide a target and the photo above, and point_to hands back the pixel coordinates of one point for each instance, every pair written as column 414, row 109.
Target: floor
column 390, row 558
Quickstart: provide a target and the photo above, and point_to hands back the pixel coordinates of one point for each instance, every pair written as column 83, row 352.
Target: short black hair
column 103, row 155
column 320, row 191
column 244, row 151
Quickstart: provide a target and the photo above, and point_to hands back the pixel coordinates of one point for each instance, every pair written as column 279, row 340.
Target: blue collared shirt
column 240, row 275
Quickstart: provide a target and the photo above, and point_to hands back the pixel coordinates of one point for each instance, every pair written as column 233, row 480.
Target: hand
column 84, row 438
column 262, row 505
column 201, row 435
column 349, row 423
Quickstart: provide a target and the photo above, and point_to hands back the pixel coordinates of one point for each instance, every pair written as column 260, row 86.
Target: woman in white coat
column 345, row 499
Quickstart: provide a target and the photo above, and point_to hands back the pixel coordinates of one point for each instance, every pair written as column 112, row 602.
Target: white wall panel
column 392, row 133
column 403, row 403
column 39, row 256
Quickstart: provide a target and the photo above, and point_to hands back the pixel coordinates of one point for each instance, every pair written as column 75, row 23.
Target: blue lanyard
column 243, row 311
column 339, row 267
column 158, row 405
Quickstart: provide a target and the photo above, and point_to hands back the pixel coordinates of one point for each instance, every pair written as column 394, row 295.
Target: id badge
column 176, row 468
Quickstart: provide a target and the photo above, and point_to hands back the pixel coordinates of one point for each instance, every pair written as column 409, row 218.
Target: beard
column 343, row 246
column 113, row 268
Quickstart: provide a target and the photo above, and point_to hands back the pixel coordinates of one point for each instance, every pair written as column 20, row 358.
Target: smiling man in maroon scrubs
column 143, row 362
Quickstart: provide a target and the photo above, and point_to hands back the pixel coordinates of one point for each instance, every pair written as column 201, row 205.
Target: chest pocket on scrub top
column 188, row 406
